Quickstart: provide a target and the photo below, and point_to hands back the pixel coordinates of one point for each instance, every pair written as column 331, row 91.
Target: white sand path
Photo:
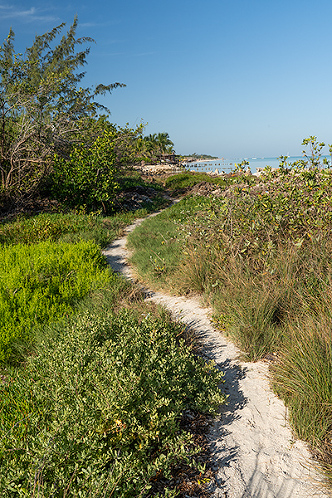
column 254, row 452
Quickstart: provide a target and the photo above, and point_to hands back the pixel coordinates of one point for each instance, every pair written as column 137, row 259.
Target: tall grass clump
column 302, row 376
column 40, row 284
column 260, row 255
column 96, row 411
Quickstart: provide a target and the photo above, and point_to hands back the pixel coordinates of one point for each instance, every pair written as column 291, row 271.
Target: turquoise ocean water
column 228, row 165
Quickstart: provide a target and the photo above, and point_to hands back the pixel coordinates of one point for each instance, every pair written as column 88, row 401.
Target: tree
column 91, row 174
column 155, row 145
column 87, row 177
column 42, row 106
column 164, row 143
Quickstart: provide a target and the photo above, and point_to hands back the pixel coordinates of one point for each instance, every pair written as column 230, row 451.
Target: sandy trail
column 255, row 454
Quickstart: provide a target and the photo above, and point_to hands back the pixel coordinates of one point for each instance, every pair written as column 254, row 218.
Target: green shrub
column 87, row 178
column 183, row 181
column 97, row 411
column 40, row 284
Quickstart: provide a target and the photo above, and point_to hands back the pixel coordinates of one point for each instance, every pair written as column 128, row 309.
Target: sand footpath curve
column 253, row 448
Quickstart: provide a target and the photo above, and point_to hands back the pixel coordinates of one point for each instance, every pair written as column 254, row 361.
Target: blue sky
column 236, row 78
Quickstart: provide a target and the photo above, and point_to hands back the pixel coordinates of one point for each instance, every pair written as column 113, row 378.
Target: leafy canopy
column 42, row 105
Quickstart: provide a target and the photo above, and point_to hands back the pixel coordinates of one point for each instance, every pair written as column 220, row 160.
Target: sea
column 228, row 165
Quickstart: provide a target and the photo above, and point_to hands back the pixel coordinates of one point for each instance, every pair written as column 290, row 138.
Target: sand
column 254, row 451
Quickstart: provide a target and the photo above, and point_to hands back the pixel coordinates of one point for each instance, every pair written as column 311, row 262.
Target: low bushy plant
column 96, row 412
column 40, row 284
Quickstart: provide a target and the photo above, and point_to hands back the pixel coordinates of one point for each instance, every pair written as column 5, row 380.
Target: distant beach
column 227, row 165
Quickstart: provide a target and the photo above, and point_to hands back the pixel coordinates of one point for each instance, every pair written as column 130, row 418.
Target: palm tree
column 164, row 143
column 158, row 144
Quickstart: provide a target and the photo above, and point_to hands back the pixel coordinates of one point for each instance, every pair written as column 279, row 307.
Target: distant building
column 169, row 158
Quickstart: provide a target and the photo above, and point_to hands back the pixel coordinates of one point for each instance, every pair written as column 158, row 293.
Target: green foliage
column 70, row 227
column 183, row 181
column 97, row 410
column 66, row 227
column 40, row 284
column 161, row 142
column 42, row 106
column 311, row 161
column 241, row 166
column 200, row 156
column 87, row 177
column 151, row 147
column 180, row 182
column 241, row 244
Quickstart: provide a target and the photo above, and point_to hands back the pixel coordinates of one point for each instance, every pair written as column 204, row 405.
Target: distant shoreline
column 207, row 160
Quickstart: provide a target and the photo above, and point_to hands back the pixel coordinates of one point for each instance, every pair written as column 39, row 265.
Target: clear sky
column 235, row 78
